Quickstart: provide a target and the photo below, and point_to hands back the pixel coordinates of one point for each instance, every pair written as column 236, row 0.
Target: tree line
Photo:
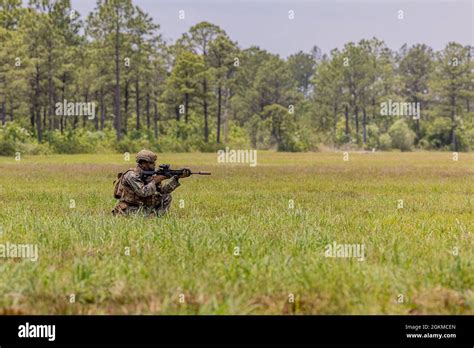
column 204, row 91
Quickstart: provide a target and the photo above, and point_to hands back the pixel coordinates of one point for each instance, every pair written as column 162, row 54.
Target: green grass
column 408, row 251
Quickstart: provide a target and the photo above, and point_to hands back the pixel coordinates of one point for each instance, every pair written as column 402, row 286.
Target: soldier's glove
column 186, row 173
column 158, row 178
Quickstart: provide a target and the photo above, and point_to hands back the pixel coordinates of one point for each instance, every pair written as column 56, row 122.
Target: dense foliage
column 204, row 92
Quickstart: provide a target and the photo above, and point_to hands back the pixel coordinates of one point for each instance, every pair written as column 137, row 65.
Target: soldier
column 149, row 196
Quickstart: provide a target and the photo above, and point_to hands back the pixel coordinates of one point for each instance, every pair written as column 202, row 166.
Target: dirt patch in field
column 441, row 300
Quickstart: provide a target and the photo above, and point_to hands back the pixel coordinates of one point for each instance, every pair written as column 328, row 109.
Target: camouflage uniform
column 137, row 195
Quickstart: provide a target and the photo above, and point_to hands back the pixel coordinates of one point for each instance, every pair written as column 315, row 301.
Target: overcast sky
column 327, row 24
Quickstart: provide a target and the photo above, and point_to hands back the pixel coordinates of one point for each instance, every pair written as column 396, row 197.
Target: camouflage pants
column 123, row 208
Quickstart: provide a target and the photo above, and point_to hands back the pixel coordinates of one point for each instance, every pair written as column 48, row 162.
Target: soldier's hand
column 158, row 178
column 186, row 173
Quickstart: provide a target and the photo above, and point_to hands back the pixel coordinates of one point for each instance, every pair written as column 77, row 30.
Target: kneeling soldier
column 137, row 193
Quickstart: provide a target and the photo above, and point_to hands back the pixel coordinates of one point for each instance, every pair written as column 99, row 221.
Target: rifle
column 164, row 169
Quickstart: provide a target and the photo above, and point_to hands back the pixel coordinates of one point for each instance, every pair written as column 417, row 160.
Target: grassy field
column 237, row 246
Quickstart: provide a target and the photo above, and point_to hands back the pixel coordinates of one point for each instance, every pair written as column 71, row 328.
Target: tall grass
column 238, row 246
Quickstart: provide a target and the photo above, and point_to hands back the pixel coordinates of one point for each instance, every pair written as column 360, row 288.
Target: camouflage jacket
column 135, row 191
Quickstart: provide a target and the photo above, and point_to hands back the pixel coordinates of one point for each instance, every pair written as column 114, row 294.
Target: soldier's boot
column 124, row 209
column 120, row 209
column 165, row 205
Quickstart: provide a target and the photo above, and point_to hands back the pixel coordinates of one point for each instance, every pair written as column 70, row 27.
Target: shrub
column 385, row 142
column 7, row 147
column 341, row 137
column 14, row 138
column 438, row 134
column 402, row 136
column 372, row 136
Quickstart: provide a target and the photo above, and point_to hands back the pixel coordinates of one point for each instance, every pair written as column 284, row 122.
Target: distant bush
column 341, row 136
column 470, row 139
column 402, row 136
column 14, row 138
column 385, row 142
column 7, row 147
column 438, row 134
column 131, row 145
column 259, row 132
column 273, row 129
column 78, row 141
column 373, row 140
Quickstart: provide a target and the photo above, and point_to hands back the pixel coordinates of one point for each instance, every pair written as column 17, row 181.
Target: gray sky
column 327, row 24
